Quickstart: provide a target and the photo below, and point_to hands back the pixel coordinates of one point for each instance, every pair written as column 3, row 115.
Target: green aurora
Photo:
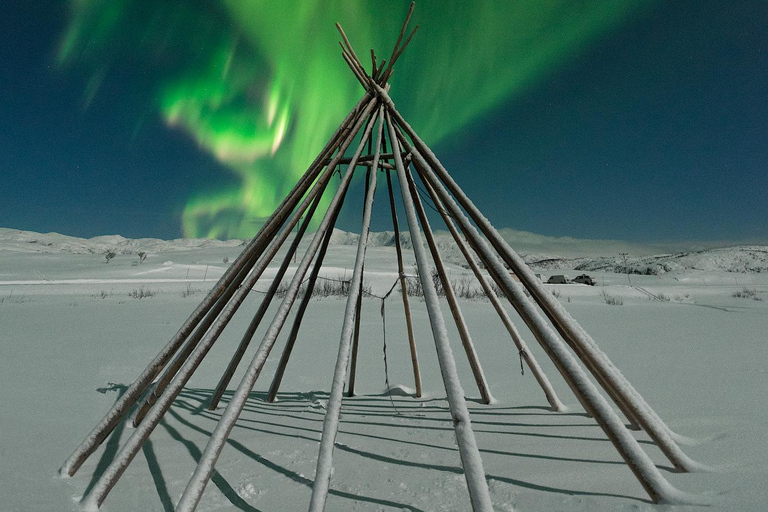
column 262, row 85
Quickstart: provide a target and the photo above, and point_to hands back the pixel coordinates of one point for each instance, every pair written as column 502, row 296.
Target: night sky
column 639, row 121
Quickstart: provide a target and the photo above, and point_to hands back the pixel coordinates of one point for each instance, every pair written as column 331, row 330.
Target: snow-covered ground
column 691, row 339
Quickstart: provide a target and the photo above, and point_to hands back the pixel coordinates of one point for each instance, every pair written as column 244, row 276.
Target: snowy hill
column 741, row 259
column 51, row 243
column 541, row 252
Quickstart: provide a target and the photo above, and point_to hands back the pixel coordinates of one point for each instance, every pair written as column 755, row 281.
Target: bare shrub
column 108, row 256
column 611, row 300
column 324, row 287
column 663, row 297
column 437, row 283
column 189, row 291
column 556, row 293
column 413, row 284
column 746, row 293
column 467, row 287
column 14, row 299
column 142, row 293
column 103, row 294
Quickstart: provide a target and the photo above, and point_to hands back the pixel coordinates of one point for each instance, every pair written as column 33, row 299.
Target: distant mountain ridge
column 29, row 241
column 539, row 251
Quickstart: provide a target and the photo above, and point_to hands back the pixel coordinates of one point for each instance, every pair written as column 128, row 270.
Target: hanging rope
column 383, row 300
column 384, row 333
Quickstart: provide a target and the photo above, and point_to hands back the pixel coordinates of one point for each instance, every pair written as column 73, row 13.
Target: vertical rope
column 384, row 334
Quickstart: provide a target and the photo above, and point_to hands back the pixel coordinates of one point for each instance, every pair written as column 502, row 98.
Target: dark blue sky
column 658, row 131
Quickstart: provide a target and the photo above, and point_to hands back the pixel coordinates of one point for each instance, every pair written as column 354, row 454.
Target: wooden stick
column 359, row 305
column 333, row 411
column 381, row 70
column 404, row 291
column 582, row 344
column 522, row 348
column 202, row 474
column 266, row 301
column 453, row 304
column 388, row 74
column 367, row 158
column 399, row 37
column 121, row 407
column 465, row 437
column 374, row 69
column 351, row 65
column 124, row 457
column 353, row 55
column 288, row 349
column 159, row 386
column 133, row 444
column 658, row 488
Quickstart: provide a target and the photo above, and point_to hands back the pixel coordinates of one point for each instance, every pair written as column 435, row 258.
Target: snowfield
column 75, row 331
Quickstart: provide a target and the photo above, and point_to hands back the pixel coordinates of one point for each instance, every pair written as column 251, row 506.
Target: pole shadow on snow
column 290, row 403
column 113, row 443
column 296, row 477
column 194, row 401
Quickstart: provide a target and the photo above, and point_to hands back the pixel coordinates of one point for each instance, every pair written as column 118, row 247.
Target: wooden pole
column 333, row 411
column 388, row 74
column 351, row 52
column 355, row 345
column 450, row 296
column 657, row 487
column 404, row 291
column 465, row 437
column 582, row 344
column 266, row 301
column 128, row 451
column 121, row 407
column 399, row 38
column 288, row 349
column 374, row 69
column 522, row 348
column 359, row 305
column 202, row 474
column 351, row 64
column 159, row 386
column 170, row 372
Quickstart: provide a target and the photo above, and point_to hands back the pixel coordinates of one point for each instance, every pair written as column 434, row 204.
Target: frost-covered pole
column 170, row 372
column 359, row 303
column 465, row 437
column 134, row 391
column 450, row 296
column 331, row 422
column 355, row 344
column 262, row 310
column 142, row 432
column 260, row 267
column 196, row 486
column 657, row 487
column 572, row 332
column 404, row 291
column 530, row 360
column 289, row 344
column 585, row 348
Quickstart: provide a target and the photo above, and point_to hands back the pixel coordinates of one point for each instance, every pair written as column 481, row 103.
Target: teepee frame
column 376, row 120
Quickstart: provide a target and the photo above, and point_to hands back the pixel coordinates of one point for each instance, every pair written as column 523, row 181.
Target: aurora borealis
column 261, row 85
column 194, row 118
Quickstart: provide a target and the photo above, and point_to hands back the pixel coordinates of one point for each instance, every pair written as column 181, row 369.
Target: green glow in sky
column 261, row 85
